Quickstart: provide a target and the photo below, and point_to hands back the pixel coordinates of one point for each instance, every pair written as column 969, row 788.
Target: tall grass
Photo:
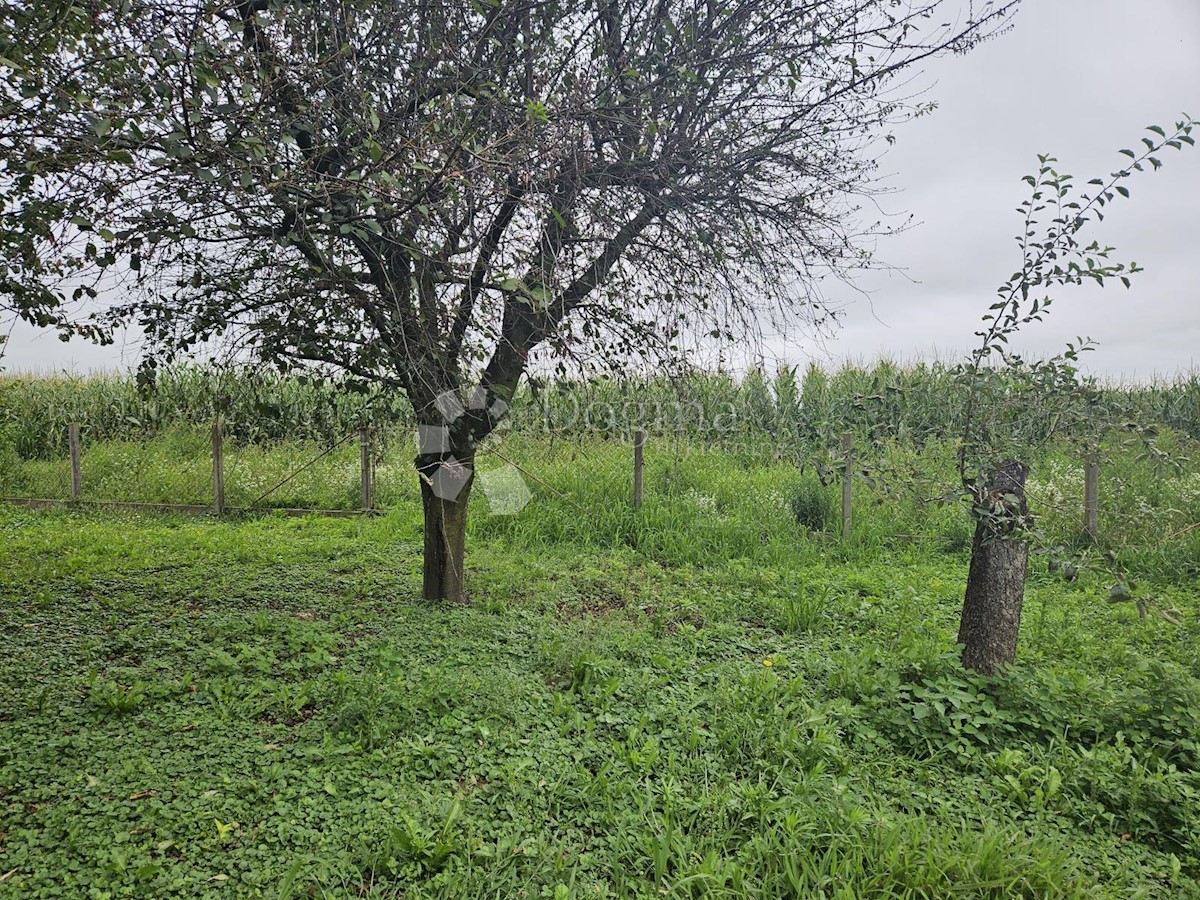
column 732, row 467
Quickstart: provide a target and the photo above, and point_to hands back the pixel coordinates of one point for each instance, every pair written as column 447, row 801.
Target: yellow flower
column 768, row 663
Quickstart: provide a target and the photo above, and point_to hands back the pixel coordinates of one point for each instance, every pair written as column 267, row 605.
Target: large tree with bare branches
column 426, row 194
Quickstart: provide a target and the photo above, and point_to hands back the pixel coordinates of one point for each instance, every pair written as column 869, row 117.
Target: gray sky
column 1076, row 78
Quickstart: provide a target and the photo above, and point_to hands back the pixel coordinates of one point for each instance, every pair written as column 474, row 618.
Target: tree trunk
column 991, row 616
column 445, row 541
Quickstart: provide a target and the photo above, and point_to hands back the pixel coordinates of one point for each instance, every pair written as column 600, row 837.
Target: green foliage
column 742, row 494
column 703, row 698
column 266, row 709
column 759, row 417
column 812, row 505
column 279, row 200
column 255, row 406
column 1001, row 385
column 115, row 698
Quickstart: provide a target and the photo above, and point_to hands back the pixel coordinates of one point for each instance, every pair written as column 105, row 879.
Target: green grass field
column 696, row 700
column 710, row 697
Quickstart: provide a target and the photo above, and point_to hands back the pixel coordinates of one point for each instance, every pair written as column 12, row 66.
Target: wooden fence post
column 1091, row 496
column 364, row 456
column 847, row 479
column 639, row 462
column 218, row 467
column 76, row 465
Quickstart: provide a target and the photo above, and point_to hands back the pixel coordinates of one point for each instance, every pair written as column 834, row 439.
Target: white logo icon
column 505, row 489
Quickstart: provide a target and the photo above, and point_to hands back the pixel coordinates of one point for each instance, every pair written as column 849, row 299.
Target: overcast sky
column 1076, row 78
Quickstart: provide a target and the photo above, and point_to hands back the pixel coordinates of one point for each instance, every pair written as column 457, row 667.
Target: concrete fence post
column 1091, row 496
column 639, row 463
column 76, row 461
column 847, row 482
column 364, row 455
column 218, row 461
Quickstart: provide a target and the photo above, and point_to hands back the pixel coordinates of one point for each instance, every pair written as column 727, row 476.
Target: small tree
column 1053, row 255
column 425, row 195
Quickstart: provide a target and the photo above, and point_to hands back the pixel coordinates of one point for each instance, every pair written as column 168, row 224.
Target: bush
column 812, row 505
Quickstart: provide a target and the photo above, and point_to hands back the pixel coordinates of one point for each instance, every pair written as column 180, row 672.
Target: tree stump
column 991, row 616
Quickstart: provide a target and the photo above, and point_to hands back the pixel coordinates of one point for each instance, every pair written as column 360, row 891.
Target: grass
column 710, row 697
column 630, row 708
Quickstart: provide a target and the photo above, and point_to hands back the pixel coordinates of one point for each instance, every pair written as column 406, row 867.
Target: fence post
column 364, row 455
column 847, row 478
column 218, row 467
column 1091, row 496
column 639, row 462
column 76, row 466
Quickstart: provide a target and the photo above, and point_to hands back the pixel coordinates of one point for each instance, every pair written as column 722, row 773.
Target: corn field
column 793, row 414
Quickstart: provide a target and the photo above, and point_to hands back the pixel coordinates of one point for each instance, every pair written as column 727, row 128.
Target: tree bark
column 445, row 543
column 991, row 616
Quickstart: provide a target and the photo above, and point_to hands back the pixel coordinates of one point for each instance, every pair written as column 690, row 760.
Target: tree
column 426, row 195
column 991, row 616
column 32, row 32
column 1054, row 217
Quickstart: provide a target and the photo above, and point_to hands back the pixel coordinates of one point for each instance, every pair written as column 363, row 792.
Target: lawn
column 263, row 707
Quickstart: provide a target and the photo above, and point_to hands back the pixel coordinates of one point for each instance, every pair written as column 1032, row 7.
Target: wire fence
column 371, row 469
column 364, row 469
column 599, row 482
